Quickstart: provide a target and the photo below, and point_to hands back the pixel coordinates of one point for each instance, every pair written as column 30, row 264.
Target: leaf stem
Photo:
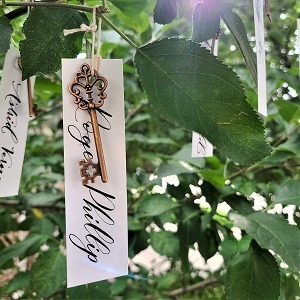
column 116, row 29
column 100, row 12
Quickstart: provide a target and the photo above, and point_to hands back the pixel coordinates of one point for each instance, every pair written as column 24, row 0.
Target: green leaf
column 97, row 290
column 135, row 137
column 236, row 26
column 190, row 87
column 231, row 246
column 175, row 168
column 165, row 243
column 165, row 11
column 44, row 54
column 272, row 232
column 240, row 204
column 134, row 225
column 155, row 205
column 43, row 225
column 139, row 23
column 130, row 8
column 20, row 281
column 6, row 30
column 215, row 177
column 288, row 193
column 206, row 21
column 8, row 223
column 292, row 287
column 289, row 111
column 252, row 275
column 168, row 280
column 208, row 242
column 48, row 273
column 118, row 286
column 29, row 246
column 44, row 198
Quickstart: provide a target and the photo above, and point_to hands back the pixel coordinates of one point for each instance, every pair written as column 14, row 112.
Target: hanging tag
column 96, row 212
column 260, row 54
column 298, row 39
column 14, row 117
column 201, row 147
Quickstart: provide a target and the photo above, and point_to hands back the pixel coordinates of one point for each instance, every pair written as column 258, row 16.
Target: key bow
column 84, row 82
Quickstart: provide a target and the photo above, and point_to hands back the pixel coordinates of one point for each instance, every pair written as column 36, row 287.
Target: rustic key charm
column 82, row 89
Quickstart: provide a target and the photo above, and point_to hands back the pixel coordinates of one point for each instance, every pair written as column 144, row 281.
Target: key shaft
column 98, row 144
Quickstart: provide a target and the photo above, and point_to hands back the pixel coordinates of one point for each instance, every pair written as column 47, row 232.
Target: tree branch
column 193, row 287
column 16, row 203
column 285, row 136
column 100, row 12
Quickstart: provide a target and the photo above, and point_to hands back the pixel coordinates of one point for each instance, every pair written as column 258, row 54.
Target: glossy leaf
column 270, row 232
column 44, row 54
column 6, row 30
column 130, row 8
column 240, row 204
column 252, row 275
column 48, row 273
column 155, row 205
column 30, row 245
column 236, row 26
column 190, row 87
column 288, row 110
column 165, row 243
column 206, row 21
column 288, row 193
column 231, row 246
column 96, row 290
column 165, row 11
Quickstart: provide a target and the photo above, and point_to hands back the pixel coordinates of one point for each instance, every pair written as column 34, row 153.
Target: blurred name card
column 201, row 147
column 261, row 59
column 14, row 117
column 96, row 213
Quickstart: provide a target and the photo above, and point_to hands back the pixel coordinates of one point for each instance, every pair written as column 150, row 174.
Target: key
column 83, row 83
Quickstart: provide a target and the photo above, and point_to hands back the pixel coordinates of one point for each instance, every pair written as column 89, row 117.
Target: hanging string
column 95, row 58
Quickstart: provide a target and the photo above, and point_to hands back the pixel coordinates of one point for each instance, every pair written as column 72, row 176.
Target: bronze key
column 84, row 81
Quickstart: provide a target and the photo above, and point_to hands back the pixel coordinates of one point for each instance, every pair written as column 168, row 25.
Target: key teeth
column 85, row 164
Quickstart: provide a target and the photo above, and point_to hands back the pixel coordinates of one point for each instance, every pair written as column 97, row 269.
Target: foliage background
column 32, row 225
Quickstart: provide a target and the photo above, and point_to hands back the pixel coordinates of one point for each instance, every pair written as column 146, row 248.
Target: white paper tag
column 96, row 214
column 261, row 59
column 298, row 38
column 208, row 45
column 201, row 147
column 14, row 117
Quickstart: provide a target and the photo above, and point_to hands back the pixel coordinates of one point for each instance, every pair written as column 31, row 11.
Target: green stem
column 268, row 207
column 116, row 29
column 100, row 12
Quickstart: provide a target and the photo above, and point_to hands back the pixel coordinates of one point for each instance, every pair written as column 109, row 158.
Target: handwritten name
column 97, row 208
column 97, row 211
column 9, row 128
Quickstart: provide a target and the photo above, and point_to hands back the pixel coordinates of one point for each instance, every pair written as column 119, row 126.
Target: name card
column 201, row 147
column 14, row 117
column 96, row 213
column 260, row 54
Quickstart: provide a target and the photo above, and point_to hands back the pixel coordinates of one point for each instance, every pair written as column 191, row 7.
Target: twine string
column 95, row 57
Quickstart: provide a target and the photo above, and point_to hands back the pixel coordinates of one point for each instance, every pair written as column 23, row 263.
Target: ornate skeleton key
column 84, row 83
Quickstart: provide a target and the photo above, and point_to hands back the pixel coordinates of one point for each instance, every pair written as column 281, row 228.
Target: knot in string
column 83, row 28
column 95, row 58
